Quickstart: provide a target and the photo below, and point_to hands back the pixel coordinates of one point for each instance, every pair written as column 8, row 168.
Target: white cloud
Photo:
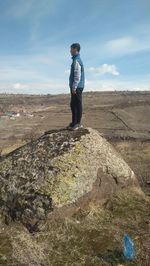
column 36, row 68
column 56, row 86
column 12, row 73
column 104, row 69
column 112, row 85
column 121, row 43
column 53, row 86
column 19, row 86
column 126, row 45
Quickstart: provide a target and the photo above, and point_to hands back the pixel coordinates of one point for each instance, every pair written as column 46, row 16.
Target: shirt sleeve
column 77, row 74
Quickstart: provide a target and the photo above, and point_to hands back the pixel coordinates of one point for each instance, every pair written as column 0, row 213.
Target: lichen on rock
column 56, row 170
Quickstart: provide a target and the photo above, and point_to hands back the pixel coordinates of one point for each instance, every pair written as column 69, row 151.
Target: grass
column 137, row 155
column 92, row 237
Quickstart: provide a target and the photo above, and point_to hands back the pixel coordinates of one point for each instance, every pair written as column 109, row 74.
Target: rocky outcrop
column 59, row 169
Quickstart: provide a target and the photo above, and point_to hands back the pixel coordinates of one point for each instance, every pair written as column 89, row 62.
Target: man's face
column 73, row 51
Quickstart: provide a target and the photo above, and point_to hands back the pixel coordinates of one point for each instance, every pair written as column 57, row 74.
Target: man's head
column 75, row 48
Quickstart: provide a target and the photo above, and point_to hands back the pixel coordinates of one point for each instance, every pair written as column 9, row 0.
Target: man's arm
column 77, row 75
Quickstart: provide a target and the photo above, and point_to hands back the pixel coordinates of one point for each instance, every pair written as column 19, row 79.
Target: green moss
column 65, row 189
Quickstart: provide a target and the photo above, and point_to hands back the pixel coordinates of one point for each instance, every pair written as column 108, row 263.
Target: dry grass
column 92, row 237
column 137, row 155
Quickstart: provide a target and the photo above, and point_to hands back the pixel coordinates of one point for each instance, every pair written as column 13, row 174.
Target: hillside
column 68, row 198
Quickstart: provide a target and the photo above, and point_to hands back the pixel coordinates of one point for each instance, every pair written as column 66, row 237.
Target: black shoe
column 70, row 125
column 76, row 126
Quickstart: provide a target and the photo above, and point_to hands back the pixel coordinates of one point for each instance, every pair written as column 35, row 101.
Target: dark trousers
column 76, row 106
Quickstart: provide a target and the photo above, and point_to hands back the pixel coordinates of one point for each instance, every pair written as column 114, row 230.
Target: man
column 76, row 84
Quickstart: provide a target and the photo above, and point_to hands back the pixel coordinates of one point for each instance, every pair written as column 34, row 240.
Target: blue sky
column 36, row 36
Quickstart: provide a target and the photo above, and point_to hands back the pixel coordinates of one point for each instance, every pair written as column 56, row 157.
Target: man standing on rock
column 76, row 84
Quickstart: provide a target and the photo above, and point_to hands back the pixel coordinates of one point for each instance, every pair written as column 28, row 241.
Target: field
column 92, row 236
column 122, row 117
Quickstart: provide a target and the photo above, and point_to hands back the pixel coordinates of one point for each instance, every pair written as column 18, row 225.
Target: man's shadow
column 55, row 130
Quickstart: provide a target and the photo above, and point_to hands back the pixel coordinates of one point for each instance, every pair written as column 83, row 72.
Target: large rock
column 57, row 170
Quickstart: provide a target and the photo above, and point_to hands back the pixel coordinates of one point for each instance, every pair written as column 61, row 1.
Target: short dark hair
column 77, row 46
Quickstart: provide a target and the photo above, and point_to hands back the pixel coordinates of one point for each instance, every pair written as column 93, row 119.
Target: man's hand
column 74, row 91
